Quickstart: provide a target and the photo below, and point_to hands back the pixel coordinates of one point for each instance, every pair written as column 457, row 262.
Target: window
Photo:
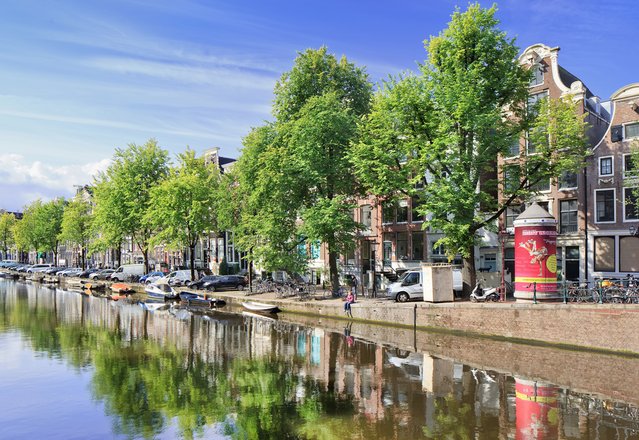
column 631, row 130
column 511, row 178
column 418, row 246
column 511, row 214
column 388, row 248
column 629, row 254
column 509, row 262
column 533, row 101
column 537, row 75
column 542, row 185
column 402, row 245
column 415, row 215
column 604, row 205
column 605, row 166
column 572, row 263
column 514, row 148
column 411, row 278
column 629, row 170
column 545, row 205
column 366, row 212
column 438, row 252
column 388, row 212
column 567, row 216
column 568, row 180
column 605, row 254
column 402, row 211
column 630, row 204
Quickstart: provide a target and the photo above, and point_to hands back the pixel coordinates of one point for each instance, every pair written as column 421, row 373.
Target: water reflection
column 220, row 373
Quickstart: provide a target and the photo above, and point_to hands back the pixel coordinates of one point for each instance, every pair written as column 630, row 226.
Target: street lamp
column 503, row 236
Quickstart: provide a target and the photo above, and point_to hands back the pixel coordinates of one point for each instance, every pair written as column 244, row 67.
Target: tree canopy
column 123, row 194
column 436, row 136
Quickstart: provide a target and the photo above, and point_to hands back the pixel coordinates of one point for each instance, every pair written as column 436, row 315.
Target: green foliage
column 7, row 223
column 224, row 267
column 183, row 206
column 40, row 226
column 294, row 178
column 454, row 420
column 122, row 195
column 76, row 224
column 445, row 129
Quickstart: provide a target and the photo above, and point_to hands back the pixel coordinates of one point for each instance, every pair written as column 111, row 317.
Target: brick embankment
column 599, row 327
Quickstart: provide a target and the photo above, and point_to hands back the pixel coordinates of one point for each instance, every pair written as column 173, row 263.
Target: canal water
column 77, row 366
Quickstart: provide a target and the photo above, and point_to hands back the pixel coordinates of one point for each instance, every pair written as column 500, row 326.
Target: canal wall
column 598, row 327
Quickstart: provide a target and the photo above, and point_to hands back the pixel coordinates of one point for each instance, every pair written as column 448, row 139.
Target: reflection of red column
column 536, row 407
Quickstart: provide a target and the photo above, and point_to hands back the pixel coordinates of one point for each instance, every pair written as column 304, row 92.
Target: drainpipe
column 586, row 227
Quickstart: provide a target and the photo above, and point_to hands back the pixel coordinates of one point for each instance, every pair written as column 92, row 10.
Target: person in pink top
column 350, row 299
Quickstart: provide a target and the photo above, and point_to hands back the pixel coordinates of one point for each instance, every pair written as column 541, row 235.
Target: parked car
column 154, row 274
column 202, row 282
column 87, row 272
column 69, row 272
column 39, row 267
column 234, row 282
column 409, row 285
column 102, row 275
column 22, row 267
column 178, row 278
column 53, row 270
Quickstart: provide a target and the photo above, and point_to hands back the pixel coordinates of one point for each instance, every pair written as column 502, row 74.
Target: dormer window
column 537, row 75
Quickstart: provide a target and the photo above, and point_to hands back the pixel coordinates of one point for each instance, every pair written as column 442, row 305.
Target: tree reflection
column 453, row 420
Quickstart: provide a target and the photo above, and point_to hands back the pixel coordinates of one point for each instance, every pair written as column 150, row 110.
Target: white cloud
column 26, row 180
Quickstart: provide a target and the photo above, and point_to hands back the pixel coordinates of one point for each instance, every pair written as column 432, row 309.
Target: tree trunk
column 332, row 265
column 145, row 255
column 192, row 260
column 469, row 276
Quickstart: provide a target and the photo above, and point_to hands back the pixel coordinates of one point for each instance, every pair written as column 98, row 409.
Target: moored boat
column 260, row 307
column 122, row 288
column 163, row 291
column 193, row 299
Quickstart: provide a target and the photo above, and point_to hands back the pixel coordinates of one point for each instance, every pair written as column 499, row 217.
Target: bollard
column 535, row 292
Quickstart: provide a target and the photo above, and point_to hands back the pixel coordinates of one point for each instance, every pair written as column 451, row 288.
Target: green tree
column 123, row 194
column 182, row 206
column 445, row 128
column 40, row 227
column 303, row 186
column 7, row 222
column 76, row 225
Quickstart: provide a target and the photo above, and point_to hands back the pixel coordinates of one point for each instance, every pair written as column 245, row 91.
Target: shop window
column 629, row 254
column 605, row 254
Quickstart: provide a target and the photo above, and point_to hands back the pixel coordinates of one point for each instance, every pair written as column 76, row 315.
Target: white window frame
column 509, row 156
column 612, row 166
column 539, row 67
column 624, row 130
column 625, row 220
column 614, row 209
column 628, row 176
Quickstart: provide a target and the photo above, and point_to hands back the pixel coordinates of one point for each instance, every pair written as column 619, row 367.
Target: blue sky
column 79, row 78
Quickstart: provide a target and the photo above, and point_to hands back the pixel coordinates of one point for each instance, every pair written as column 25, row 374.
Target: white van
column 126, row 271
column 409, row 285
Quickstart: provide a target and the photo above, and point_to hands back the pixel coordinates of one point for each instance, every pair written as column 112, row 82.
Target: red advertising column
column 536, row 410
column 536, row 255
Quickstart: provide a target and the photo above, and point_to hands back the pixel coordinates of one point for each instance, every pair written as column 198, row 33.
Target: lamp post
column 503, row 236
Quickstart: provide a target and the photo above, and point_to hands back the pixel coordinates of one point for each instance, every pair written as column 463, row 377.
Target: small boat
column 163, row 291
column 122, row 288
column 260, row 307
column 193, row 299
column 94, row 286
